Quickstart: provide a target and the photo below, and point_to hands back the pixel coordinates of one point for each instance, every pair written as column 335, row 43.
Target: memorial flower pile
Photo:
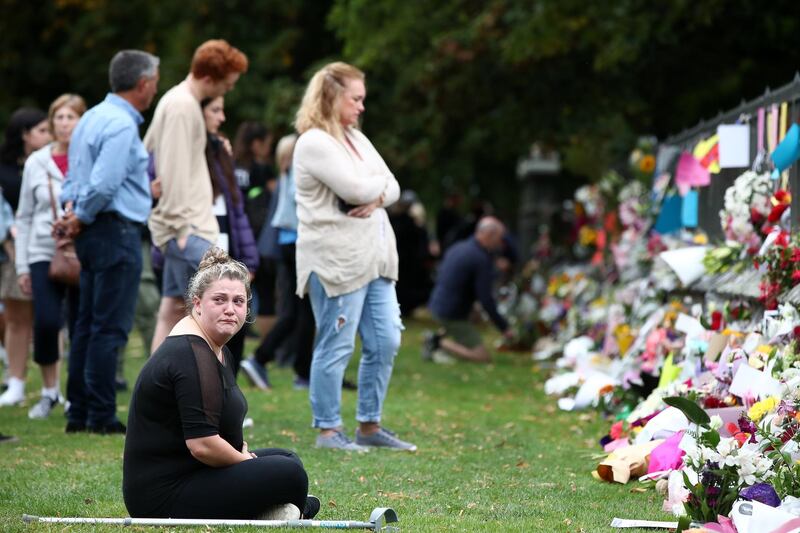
column 691, row 349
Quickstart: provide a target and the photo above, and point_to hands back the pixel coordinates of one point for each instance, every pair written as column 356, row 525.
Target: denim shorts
column 180, row 265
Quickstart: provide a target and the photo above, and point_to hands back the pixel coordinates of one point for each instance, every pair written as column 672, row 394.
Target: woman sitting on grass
column 185, row 456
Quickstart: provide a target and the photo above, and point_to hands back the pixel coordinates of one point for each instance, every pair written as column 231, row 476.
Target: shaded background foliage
column 458, row 89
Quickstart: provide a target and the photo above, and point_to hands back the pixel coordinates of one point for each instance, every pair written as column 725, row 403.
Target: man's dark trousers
column 111, row 265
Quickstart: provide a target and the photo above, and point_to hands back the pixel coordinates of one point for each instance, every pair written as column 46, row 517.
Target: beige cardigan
column 345, row 252
column 177, row 138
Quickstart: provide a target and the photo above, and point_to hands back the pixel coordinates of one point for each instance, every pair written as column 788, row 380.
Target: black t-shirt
column 183, row 392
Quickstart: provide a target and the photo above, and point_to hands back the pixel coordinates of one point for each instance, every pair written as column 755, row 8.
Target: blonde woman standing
column 44, row 174
column 346, row 256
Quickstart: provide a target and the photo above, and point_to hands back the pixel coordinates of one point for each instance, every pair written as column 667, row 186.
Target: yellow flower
column 647, row 164
column 735, row 333
column 553, row 285
column 587, row 236
column 624, row 338
column 759, row 409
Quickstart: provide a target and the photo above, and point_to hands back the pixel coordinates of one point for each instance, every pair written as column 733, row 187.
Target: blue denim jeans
column 180, row 265
column 111, row 264
column 374, row 313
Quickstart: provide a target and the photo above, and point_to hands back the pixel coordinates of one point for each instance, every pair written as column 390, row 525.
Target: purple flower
column 761, row 492
column 746, row 425
column 786, row 408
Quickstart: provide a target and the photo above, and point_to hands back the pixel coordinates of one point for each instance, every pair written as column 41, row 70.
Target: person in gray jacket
column 44, row 174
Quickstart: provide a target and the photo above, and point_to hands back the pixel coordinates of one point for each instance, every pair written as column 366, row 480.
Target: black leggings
column 297, row 322
column 244, row 490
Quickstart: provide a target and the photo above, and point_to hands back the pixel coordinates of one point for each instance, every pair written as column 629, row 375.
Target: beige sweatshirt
column 345, row 252
column 177, row 138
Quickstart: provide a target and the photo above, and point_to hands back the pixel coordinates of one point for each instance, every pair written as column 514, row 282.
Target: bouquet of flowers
column 724, row 258
column 747, row 206
column 590, row 200
column 782, row 261
column 633, row 206
column 717, row 470
column 630, row 248
column 772, row 424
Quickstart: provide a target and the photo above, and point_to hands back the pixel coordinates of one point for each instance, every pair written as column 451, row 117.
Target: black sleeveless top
column 183, row 392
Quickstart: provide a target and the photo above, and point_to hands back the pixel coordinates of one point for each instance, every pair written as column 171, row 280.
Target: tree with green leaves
column 458, row 90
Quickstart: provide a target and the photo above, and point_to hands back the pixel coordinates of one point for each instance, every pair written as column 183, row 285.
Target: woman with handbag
column 37, row 251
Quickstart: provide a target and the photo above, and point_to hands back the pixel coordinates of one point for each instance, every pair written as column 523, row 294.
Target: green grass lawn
column 494, row 454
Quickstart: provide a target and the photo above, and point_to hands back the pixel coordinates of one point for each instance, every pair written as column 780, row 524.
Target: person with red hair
column 183, row 224
column 216, row 61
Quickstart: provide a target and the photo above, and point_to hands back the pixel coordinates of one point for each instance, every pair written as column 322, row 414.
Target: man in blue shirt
column 466, row 275
column 107, row 195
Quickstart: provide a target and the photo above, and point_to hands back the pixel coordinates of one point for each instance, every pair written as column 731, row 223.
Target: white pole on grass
column 377, row 521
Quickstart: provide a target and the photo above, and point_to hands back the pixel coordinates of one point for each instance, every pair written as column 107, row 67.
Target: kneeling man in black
column 185, row 456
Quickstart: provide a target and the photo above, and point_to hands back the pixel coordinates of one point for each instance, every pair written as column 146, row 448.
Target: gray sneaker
column 339, row 441
column 42, row 408
column 256, row 373
column 384, row 439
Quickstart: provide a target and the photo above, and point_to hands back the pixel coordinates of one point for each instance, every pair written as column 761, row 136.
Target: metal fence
column 711, row 198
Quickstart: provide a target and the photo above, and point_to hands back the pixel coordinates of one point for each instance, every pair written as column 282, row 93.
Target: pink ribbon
column 772, row 140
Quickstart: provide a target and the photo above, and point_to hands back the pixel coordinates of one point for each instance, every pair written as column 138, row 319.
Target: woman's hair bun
column 214, row 256
column 215, row 265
